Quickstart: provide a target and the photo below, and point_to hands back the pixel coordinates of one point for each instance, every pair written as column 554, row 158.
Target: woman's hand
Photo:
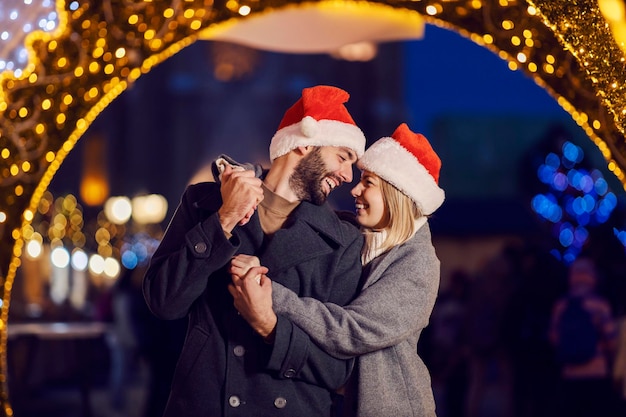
column 240, row 264
column 253, row 300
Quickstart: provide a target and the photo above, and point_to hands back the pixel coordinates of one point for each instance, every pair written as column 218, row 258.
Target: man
column 225, row 368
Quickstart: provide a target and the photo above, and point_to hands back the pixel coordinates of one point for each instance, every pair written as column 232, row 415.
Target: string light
column 18, row 19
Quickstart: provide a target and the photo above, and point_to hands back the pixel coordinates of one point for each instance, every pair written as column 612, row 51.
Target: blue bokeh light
column 601, row 186
column 137, row 250
column 572, row 152
column 553, row 160
column 566, row 237
column 576, row 200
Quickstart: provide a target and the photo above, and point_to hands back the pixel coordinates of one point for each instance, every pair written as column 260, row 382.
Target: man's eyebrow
column 350, row 153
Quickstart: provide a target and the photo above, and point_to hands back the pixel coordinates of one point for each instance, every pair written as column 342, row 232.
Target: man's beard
column 306, row 180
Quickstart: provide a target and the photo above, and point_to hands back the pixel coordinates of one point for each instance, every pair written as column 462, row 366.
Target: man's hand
column 254, row 301
column 241, row 193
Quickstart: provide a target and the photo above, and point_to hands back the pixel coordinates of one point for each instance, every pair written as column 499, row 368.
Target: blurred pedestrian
column 446, row 346
column 584, row 335
column 489, row 333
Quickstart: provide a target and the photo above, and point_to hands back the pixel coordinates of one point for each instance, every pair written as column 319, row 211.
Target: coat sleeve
column 397, row 304
column 190, row 251
column 295, row 355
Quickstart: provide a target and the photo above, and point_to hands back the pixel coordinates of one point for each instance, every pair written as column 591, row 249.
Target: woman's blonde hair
column 401, row 213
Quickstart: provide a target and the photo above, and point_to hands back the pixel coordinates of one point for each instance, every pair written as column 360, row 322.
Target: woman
column 397, row 191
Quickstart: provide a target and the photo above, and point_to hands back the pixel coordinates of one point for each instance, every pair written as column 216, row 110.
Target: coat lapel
column 290, row 247
column 315, row 232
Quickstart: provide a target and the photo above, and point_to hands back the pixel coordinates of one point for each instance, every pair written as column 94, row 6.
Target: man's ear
column 303, row 150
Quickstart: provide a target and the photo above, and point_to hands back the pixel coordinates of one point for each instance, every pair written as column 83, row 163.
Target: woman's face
column 371, row 211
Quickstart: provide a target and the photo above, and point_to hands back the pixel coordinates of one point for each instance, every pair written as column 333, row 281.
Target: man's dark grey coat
column 225, row 369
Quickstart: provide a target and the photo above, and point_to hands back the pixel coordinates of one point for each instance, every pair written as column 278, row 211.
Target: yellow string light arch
column 103, row 46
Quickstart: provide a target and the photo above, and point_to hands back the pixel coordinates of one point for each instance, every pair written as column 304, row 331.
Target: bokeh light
column 576, row 200
column 18, row 19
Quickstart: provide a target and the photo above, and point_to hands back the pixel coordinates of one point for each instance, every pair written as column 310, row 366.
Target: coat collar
column 380, row 264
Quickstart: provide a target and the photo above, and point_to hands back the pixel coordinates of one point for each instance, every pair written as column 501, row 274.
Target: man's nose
column 346, row 173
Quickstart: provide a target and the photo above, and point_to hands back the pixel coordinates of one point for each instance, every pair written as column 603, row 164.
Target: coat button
column 289, row 373
column 234, row 401
column 280, row 402
column 200, row 247
column 239, row 350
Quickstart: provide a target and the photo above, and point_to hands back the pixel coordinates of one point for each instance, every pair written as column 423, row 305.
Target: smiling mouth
column 360, row 206
column 332, row 184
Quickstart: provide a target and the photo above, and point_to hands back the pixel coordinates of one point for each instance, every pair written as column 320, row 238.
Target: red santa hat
column 409, row 163
column 318, row 118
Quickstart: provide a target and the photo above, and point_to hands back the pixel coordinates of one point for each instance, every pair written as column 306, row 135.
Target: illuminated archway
column 102, row 47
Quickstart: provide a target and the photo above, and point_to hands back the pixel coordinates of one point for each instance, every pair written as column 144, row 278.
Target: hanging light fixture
column 326, row 27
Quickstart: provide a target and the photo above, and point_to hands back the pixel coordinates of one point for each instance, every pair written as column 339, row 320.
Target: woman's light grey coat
column 382, row 326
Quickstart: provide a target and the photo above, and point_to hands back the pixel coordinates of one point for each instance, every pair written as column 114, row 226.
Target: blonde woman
column 397, row 192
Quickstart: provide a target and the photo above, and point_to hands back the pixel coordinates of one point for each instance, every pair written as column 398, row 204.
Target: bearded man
column 225, row 367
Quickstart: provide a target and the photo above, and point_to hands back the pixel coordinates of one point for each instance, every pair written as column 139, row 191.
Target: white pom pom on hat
column 409, row 163
column 318, row 118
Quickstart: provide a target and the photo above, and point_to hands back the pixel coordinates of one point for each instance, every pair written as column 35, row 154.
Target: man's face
column 320, row 171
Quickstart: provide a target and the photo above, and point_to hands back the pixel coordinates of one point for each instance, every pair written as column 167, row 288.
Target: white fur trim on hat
column 396, row 165
column 311, row 132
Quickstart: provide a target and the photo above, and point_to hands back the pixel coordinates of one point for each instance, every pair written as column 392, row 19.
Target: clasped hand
column 252, row 293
